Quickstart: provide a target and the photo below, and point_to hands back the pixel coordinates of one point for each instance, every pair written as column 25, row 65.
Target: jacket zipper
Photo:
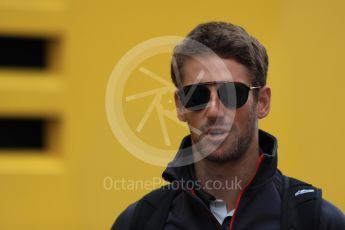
column 210, row 214
column 243, row 190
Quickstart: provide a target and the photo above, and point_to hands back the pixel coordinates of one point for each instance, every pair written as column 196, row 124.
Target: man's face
column 223, row 134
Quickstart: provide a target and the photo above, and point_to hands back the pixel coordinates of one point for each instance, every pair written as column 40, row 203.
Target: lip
column 216, row 129
column 216, row 134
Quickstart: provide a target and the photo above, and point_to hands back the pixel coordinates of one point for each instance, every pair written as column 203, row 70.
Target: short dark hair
column 227, row 41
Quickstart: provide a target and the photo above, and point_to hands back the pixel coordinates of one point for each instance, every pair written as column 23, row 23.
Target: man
column 220, row 74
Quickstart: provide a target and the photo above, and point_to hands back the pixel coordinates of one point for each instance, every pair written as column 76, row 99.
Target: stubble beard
column 234, row 147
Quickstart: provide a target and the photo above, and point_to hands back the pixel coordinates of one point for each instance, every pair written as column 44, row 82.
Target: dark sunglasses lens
column 227, row 94
column 195, row 97
column 242, row 92
column 233, row 95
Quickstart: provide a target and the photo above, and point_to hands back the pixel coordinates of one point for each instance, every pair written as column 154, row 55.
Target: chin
column 208, row 147
column 222, row 156
column 227, row 151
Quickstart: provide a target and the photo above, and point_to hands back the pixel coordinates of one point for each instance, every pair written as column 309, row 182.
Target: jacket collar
column 266, row 170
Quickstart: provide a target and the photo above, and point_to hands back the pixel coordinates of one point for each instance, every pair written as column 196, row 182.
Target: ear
column 181, row 113
column 264, row 102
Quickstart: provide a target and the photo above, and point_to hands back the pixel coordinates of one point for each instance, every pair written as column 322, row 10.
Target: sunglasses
column 195, row 97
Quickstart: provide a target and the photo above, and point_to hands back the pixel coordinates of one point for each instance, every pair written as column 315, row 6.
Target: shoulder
column 331, row 216
column 124, row 219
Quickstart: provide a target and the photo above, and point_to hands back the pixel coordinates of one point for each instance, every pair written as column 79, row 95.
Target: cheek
column 194, row 119
column 244, row 114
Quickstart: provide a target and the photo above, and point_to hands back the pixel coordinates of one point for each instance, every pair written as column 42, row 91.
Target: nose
column 214, row 109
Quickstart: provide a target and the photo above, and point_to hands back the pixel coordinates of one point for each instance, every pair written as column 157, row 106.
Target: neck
column 233, row 175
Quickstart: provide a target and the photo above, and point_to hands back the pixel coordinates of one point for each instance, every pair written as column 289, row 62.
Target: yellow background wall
column 63, row 188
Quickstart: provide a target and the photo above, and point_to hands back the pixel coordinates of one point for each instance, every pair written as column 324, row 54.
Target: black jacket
column 258, row 208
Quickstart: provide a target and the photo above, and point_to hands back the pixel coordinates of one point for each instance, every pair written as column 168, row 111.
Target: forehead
column 208, row 68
